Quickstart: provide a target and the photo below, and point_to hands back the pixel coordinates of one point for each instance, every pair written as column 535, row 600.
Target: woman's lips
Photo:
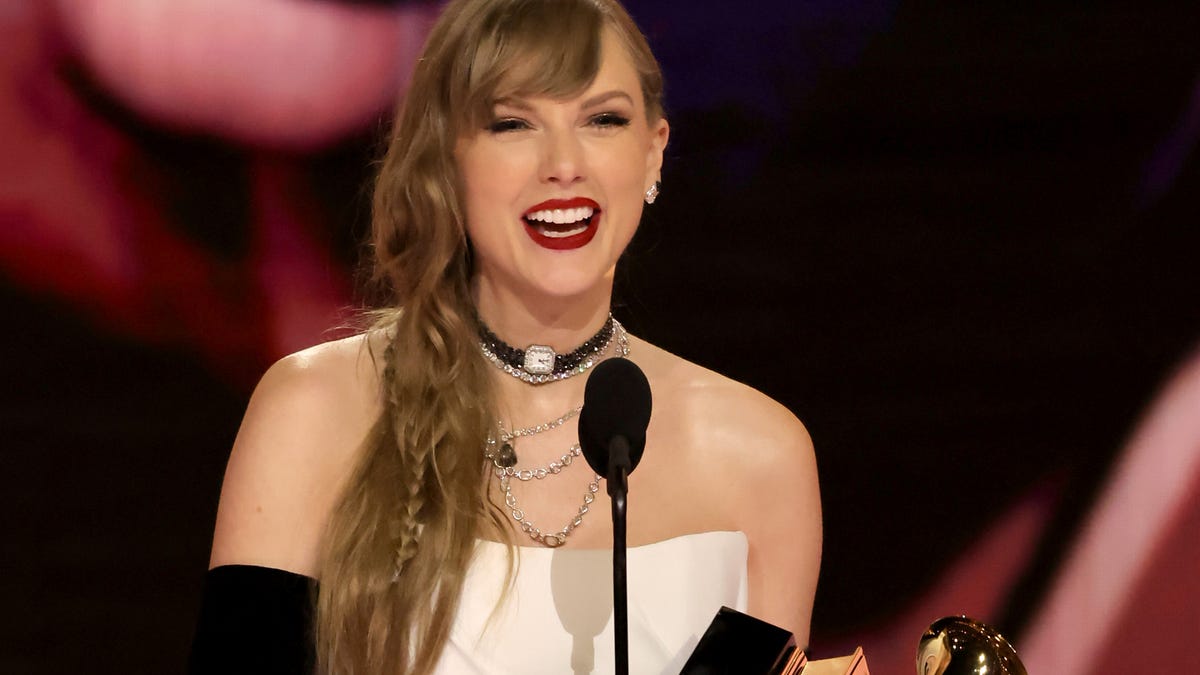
column 562, row 224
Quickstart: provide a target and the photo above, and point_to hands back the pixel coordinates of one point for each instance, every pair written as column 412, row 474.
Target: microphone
column 616, row 412
column 612, row 436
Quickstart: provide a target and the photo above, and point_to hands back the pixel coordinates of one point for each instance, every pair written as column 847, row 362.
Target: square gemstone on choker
column 539, row 360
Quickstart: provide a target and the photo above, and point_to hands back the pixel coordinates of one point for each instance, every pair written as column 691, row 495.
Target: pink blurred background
column 964, row 237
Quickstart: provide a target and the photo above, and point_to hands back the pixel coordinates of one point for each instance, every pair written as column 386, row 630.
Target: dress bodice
column 558, row 616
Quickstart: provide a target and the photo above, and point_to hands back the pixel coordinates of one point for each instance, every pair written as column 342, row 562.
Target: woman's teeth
column 561, row 223
column 561, row 216
column 556, row 234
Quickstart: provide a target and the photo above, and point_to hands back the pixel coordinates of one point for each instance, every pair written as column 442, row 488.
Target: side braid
column 414, row 462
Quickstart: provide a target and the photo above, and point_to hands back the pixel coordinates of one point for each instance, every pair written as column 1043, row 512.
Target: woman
column 400, row 468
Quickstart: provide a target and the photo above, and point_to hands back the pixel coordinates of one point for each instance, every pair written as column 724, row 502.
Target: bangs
column 528, row 48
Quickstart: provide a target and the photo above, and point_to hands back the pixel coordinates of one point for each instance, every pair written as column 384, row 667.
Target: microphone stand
column 618, row 490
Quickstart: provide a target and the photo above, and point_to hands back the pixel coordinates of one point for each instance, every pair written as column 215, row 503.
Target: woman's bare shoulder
column 297, row 443
column 756, row 460
column 721, row 415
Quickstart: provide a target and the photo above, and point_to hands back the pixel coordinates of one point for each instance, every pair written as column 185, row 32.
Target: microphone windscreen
column 616, row 402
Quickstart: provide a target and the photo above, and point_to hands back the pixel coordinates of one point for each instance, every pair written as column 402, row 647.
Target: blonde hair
column 400, row 540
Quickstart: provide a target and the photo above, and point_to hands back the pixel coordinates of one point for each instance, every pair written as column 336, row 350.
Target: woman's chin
column 557, row 278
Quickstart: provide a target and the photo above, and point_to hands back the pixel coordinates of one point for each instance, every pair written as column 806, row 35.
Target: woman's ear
column 660, row 132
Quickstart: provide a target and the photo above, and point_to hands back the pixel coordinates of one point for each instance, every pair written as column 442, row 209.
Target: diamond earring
column 652, row 193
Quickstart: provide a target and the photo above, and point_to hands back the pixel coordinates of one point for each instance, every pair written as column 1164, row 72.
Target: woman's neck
column 562, row 323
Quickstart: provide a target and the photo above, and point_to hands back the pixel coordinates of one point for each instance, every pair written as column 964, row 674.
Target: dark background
column 952, row 238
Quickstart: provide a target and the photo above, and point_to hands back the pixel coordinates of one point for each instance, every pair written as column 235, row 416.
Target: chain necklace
column 506, row 457
column 550, row 539
column 504, row 460
column 506, row 471
column 503, row 467
column 539, row 364
column 537, row 429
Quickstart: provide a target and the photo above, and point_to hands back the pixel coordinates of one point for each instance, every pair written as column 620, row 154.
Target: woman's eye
column 507, row 124
column 610, row 119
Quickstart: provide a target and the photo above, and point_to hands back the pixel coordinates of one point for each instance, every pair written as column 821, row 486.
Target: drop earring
column 652, row 192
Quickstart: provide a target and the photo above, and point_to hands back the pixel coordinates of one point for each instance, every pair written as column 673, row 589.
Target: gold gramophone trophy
column 739, row 644
column 957, row 645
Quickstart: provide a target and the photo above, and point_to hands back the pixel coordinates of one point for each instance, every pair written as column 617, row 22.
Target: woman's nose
column 563, row 159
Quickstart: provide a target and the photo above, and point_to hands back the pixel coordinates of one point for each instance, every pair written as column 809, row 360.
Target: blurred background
column 959, row 240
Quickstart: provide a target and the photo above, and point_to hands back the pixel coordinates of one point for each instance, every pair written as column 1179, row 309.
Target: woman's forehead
column 616, row 78
column 616, row 67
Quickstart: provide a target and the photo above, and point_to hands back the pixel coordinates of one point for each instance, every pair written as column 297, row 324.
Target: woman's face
column 554, row 188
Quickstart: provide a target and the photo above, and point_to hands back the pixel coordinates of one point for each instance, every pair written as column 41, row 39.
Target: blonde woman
column 422, row 476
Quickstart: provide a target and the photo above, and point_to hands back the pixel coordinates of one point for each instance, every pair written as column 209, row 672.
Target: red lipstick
column 543, row 233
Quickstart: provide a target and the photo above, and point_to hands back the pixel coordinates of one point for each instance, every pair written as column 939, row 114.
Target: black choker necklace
column 538, row 364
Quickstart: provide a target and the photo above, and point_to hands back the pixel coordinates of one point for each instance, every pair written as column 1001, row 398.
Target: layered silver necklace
column 504, row 462
column 539, row 364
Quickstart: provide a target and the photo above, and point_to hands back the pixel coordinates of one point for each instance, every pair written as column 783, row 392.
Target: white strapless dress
column 558, row 617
